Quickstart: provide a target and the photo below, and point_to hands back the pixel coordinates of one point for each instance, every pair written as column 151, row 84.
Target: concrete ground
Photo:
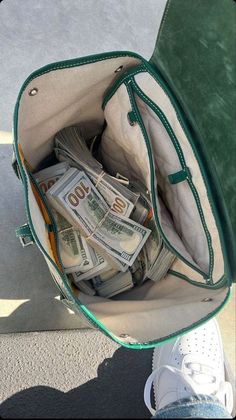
column 71, row 371
column 74, row 374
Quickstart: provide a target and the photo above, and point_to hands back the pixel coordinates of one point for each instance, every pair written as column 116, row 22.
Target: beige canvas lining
column 75, row 95
column 168, row 307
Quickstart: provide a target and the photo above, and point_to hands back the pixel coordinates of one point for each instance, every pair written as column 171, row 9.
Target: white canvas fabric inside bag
column 74, row 96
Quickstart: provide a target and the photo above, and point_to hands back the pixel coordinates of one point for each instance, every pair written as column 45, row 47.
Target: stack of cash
column 78, row 257
column 100, row 265
column 78, row 200
column 86, row 287
column 113, row 286
column 108, row 238
column 158, row 258
column 74, row 251
column 155, row 259
column 49, row 176
column 71, row 148
column 76, row 254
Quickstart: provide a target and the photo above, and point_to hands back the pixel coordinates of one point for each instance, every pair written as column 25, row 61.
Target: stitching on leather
column 211, row 262
column 75, row 65
column 165, row 122
column 23, row 234
column 24, row 230
column 163, row 21
column 182, row 276
column 122, row 81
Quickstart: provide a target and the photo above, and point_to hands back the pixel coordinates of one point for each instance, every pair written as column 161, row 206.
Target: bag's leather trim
column 24, row 234
column 180, row 176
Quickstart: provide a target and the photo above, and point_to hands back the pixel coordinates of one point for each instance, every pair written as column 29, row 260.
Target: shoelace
column 223, row 391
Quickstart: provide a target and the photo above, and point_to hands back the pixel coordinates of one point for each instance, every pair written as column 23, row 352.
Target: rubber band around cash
column 100, row 176
column 98, row 225
column 66, row 229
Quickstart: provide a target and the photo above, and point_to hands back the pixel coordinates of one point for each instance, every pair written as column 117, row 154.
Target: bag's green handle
column 25, row 235
column 15, row 165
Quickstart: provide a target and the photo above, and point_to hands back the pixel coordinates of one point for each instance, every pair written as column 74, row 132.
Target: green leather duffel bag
column 172, row 119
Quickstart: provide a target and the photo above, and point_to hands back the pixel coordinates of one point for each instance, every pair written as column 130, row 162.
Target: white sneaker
column 190, row 365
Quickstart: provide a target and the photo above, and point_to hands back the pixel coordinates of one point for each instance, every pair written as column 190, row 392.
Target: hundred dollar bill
column 119, row 236
column 74, row 251
column 143, row 204
column 70, row 147
column 73, row 248
column 138, row 269
column 158, row 258
column 49, row 176
column 85, row 286
column 117, row 201
column 97, row 262
column 140, row 212
column 99, row 266
column 113, row 286
column 155, row 259
column 162, row 264
column 107, row 275
column 115, row 198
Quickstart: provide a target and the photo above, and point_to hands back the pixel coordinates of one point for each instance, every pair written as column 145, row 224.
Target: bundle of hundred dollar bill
column 108, row 239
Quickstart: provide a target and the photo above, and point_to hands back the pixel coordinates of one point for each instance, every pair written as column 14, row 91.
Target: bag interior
column 74, row 95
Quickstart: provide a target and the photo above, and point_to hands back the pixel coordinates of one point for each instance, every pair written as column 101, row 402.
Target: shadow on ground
column 24, row 274
column 117, row 392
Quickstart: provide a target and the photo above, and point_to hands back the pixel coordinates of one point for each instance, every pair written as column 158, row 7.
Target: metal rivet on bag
column 124, row 335
column 207, row 300
column 119, row 69
column 33, row 92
